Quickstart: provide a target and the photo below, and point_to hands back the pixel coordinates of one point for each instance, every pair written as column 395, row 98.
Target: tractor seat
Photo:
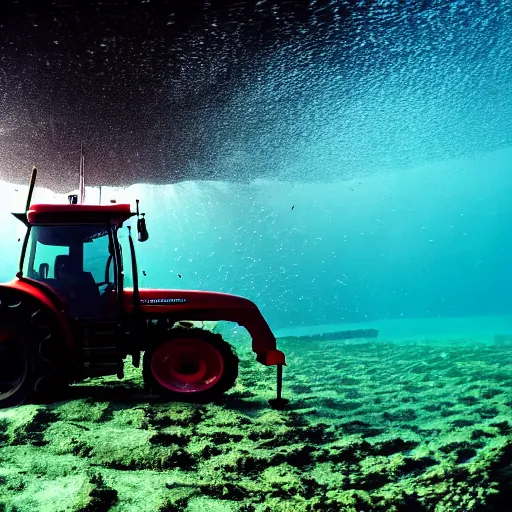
column 78, row 287
column 62, row 266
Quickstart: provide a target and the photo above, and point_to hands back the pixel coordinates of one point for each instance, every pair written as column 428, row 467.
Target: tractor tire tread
column 45, row 377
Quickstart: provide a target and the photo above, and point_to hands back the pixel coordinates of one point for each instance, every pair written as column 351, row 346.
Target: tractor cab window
column 77, row 262
column 124, row 247
column 45, row 259
column 95, row 249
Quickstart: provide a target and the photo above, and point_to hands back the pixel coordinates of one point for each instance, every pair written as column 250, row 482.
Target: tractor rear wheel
column 190, row 364
column 29, row 356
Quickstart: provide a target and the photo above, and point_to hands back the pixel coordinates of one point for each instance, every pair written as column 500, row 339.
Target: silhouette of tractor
column 72, row 313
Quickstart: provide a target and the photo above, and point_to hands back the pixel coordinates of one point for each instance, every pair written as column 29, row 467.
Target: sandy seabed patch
column 373, row 426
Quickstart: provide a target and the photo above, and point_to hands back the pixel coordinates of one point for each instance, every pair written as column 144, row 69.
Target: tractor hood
column 200, row 305
column 178, row 301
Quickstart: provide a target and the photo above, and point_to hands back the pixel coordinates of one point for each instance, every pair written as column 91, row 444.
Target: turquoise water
column 429, row 243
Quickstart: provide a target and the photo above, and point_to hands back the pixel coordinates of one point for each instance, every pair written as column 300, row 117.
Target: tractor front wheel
column 190, row 364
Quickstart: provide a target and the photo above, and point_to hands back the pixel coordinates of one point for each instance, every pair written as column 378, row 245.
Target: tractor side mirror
column 142, row 232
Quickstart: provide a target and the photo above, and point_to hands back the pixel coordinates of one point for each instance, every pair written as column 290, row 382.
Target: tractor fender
column 26, row 289
column 211, row 306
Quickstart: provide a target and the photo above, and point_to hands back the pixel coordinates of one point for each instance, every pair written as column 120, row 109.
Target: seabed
column 418, row 419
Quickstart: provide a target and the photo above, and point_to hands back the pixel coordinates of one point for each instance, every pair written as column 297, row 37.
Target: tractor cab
column 74, row 250
column 78, row 263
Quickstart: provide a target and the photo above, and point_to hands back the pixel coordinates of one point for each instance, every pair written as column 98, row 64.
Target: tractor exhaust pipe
column 31, row 187
column 24, row 218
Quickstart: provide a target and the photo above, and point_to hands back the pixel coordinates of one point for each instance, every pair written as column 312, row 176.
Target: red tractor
column 71, row 313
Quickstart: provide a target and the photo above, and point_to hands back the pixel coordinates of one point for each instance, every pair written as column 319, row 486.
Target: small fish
column 179, row 275
column 144, row 273
column 293, row 206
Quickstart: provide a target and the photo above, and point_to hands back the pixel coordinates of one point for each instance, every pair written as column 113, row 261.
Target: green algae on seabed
column 382, row 427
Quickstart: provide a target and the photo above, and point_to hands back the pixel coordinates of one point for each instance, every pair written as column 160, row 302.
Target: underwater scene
column 349, row 198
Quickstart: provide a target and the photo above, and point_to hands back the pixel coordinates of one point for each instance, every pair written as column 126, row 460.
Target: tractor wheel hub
column 187, row 365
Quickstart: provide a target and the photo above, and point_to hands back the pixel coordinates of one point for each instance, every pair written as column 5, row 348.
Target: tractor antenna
column 99, row 200
column 31, row 186
column 81, row 185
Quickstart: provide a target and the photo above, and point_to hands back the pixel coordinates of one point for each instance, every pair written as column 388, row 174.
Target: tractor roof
column 76, row 214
